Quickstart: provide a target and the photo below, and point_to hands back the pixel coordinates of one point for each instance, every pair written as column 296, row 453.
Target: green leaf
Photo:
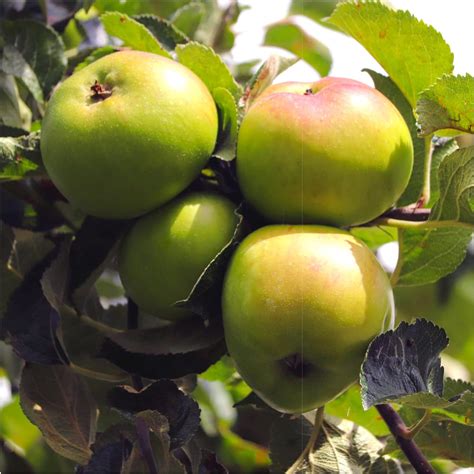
column 57, row 400
column 431, row 254
column 456, row 184
column 447, row 104
column 20, row 157
column 264, row 77
column 428, row 255
column 288, row 35
column 132, row 33
column 188, row 18
column 413, row 53
column 94, row 56
column 392, row 92
column 374, row 237
column 164, row 31
column 440, row 438
column 442, row 148
column 207, row 65
column 314, row 10
column 349, row 406
column 228, row 124
column 15, row 426
column 457, row 402
column 342, row 446
column 34, row 53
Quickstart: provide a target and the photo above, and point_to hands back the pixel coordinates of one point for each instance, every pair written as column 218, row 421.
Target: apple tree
column 189, row 281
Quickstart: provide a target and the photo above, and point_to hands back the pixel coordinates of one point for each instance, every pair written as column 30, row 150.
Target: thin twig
column 408, row 446
column 318, row 421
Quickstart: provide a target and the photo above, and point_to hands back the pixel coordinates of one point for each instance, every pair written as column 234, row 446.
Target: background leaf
column 288, row 35
column 163, row 30
column 34, row 53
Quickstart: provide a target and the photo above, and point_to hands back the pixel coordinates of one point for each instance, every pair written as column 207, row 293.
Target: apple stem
column 318, row 422
column 400, row 431
column 100, row 92
column 143, row 433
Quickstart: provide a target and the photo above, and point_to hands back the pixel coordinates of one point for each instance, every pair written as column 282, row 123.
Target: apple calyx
column 309, row 92
column 100, row 92
column 296, row 365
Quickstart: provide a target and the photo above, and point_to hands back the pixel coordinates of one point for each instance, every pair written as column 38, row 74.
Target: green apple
column 128, row 133
column 331, row 152
column 165, row 252
column 300, row 306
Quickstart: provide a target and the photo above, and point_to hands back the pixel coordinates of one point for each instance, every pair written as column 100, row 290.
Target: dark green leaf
column 56, row 400
column 413, row 53
column 34, row 53
column 288, row 35
column 132, row 33
column 403, row 361
column 181, row 411
column 30, row 324
column 447, row 104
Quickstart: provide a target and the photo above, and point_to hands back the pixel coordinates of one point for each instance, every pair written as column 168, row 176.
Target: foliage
column 103, row 386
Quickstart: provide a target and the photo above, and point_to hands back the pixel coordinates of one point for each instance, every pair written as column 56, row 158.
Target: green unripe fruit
column 128, row 133
column 165, row 252
column 301, row 305
column 335, row 152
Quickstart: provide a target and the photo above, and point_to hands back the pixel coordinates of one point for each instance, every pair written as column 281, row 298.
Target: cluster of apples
column 125, row 136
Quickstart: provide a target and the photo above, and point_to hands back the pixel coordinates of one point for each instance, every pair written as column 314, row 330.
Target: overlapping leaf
column 414, row 54
column 132, row 33
column 447, row 104
column 56, row 400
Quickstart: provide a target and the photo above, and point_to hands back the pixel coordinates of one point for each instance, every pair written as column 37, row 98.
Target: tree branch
column 401, row 433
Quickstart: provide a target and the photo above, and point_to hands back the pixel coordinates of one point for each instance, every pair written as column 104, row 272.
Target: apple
column 128, row 133
column 165, row 252
column 331, row 152
column 300, row 307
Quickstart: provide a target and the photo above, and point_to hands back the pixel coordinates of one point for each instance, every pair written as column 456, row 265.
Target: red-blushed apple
column 127, row 133
column 331, row 152
column 165, row 252
column 300, row 306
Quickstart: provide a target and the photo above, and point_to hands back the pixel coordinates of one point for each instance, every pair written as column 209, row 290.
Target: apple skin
column 138, row 148
column 313, row 293
column 165, row 252
column 339, row 155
